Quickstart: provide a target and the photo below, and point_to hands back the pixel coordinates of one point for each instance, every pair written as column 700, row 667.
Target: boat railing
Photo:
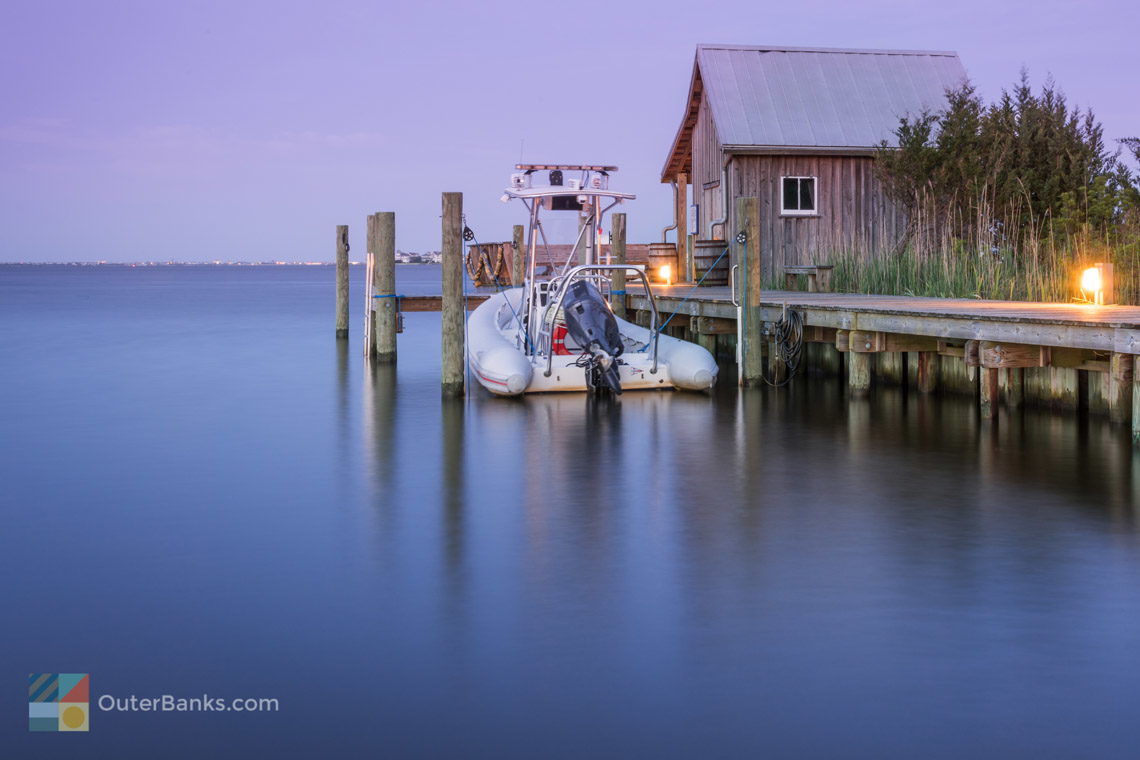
column 546, row 329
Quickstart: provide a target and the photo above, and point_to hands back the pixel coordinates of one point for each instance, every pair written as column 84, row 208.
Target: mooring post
column 858, row 373
column 926, row 376
column 1119, row 387
column 370, row 306
column 453, row 307
column 342, row 281
column 617, row 277
column 1136, row 399
column 990, row 395
column 518, row 256
column 1013, row 392
column 681, row 214
column 748, row 223
column 384, row 296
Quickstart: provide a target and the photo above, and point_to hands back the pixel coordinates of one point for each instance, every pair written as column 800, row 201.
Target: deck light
column 1096, row 284
column 665, row 274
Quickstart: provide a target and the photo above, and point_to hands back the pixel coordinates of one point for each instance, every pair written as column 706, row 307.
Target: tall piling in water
column 384, row 292
column 748, row 226
column 617, row 276
column 342, row 281
column 518, row 256
column 453, row 307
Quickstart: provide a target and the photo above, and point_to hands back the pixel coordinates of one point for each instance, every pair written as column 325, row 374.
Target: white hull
column 498, row 360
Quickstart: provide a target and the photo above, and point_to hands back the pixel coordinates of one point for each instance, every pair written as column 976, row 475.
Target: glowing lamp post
column 1096, row 284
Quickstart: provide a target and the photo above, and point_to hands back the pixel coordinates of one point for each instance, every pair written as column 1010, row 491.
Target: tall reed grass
column 1021, row 259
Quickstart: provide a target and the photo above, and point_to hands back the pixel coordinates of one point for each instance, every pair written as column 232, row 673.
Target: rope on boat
column 498, row 283
column 479, row 265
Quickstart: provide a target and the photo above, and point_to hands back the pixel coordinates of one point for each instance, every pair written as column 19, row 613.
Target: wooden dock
column 1008, row 353
column 1096, row 328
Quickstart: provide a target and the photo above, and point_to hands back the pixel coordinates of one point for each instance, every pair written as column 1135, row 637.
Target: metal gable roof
column 806, row 99
column 800, row 97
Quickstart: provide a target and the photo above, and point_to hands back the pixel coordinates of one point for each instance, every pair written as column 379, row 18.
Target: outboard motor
column 593, row 327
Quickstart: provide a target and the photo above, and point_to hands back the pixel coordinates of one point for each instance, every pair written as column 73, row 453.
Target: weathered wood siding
column 853, row 211
column 708, row 159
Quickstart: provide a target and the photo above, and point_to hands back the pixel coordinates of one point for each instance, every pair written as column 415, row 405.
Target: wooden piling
column 1119, row 391
column 370, row 312
column 453, row 307
column 518, row 256
column 890, row 366
column 858, row 373
column 617, row 277
column 1013, row 387
column 748, row 222
column 1063, row 388
column 342, row 281
column 707, row 341
column 384, row 291
column 681, row 214
column 927, row 372
column 990, row 396
column 1136, row 399
column 777, row 370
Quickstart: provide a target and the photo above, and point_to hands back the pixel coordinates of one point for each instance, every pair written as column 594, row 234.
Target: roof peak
column 794, row 49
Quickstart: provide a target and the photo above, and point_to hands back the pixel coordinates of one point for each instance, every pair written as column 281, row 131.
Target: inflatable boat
column 559, row 333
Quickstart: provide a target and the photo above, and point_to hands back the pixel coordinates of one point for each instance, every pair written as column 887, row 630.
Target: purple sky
column 248, row 130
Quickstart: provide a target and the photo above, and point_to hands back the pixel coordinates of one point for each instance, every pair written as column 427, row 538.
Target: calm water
column 204, row 494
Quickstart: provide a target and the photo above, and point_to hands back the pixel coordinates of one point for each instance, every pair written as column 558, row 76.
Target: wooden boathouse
column 797, row 128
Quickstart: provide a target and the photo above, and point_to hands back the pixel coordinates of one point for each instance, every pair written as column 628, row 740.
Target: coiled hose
column 789, row 339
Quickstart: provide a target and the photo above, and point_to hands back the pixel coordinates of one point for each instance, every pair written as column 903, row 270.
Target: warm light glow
column 665, row 273
column 1090, row 279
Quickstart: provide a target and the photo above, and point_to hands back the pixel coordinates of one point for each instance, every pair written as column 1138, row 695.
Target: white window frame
column 815, row 196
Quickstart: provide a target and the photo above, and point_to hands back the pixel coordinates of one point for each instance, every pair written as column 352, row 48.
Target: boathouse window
column 798, row 196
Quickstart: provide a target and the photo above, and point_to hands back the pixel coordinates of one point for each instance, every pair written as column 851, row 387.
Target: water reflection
column 452, row 470
column 768, row 552
column 709, row 465
column 380, row 422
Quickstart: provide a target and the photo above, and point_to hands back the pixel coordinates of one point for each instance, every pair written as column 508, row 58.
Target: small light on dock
column 1096, row 284
column 665, row 274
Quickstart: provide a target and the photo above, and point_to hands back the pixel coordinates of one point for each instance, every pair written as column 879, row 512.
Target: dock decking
column 1075, row 325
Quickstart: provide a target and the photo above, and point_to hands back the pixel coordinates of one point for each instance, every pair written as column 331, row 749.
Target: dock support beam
column 858, row 373
column 927, row 372
column 452, row 302
column 1120, row 377
column 342, row 281
column 518, row 256
column 617, row 276
column 748, row 223
column 384, row 285
column 681, row 214
column 1013, row 390
column 1136, row 400
column 991, row 396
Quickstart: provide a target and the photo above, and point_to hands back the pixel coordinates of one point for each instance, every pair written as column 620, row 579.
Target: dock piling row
column 384, row 302
column 342, row 281
column 617, row 276
column 453, row 307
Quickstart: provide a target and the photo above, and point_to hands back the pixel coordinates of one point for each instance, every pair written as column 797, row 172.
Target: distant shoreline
column 194, row 263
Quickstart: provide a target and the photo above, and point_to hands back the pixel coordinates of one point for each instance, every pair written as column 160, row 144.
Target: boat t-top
column 557, row 332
